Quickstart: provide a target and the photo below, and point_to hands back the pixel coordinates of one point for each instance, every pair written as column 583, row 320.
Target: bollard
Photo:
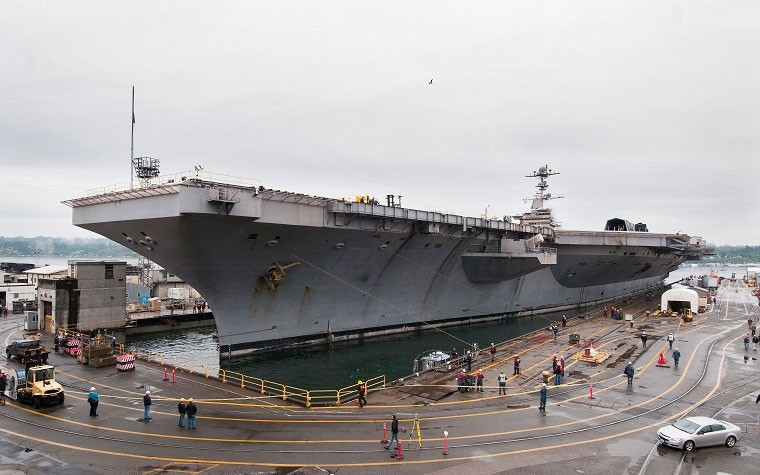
column 385, row 434
column 591, row 390
column 445, row 443
column 399, row 454
column 172, row 375
column 166, row 375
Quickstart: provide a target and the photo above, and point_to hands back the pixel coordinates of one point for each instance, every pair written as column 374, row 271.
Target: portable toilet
column 31, row 320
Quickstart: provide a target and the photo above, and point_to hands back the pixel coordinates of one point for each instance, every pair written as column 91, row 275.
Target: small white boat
column 431, row 359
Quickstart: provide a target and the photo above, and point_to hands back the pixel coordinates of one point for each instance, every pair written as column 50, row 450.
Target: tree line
column 62, row 247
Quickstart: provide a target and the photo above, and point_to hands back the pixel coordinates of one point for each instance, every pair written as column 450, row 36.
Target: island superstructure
column 281, row 268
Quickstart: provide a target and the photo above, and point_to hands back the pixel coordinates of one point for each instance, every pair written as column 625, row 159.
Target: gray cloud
column 649, row 110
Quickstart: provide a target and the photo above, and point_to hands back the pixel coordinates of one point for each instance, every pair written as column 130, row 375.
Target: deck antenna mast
column 147, row 168
column 539, row 214
column 132, row 145
column 542, row 174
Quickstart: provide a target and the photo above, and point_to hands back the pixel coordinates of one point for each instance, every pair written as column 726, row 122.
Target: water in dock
column 342, row 364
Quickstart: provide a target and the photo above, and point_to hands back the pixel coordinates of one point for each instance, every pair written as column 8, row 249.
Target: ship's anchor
column 276, row 274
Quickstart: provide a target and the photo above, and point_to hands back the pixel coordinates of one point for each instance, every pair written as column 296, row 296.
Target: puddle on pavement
column 624, row 448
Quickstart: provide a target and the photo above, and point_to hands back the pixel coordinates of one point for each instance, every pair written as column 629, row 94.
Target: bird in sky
column 431, row 82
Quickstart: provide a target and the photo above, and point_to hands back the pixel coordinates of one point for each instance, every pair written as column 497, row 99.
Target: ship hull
column 279, row 273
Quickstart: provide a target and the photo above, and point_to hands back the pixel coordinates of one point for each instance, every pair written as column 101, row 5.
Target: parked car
column 698, row 431
column 27, row 351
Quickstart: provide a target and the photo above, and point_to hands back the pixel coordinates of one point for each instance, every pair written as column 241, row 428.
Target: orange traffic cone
column 661, row 361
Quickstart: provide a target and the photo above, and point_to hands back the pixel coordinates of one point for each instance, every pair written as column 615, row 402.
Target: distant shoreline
column 40, row 261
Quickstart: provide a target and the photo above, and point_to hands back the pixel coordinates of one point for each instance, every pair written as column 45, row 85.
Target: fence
column 305, row 397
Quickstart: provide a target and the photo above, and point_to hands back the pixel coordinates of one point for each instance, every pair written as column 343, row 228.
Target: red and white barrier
column 125, row 362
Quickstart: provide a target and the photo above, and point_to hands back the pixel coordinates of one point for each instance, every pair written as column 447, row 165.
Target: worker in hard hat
column 192, row 410
column 361, row 389
column 462, row 381
column 93, row 399
column 182, row 409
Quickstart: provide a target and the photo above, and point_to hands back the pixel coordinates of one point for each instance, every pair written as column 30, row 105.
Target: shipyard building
column 92, row 295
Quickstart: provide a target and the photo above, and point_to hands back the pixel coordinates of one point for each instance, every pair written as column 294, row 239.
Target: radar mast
column 539, row 215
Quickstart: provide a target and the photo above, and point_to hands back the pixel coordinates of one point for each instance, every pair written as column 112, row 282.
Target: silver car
column 698, row 431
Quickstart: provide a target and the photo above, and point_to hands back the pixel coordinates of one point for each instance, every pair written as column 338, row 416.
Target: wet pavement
column 594, row 423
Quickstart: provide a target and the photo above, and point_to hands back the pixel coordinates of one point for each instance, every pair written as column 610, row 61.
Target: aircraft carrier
column 282, row 269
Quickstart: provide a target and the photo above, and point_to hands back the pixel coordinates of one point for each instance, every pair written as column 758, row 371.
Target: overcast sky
column 650, row 110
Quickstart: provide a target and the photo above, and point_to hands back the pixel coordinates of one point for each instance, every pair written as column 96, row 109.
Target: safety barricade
column 73, row 347
column 125, row 362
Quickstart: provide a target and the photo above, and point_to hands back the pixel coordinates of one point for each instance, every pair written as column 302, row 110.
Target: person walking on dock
column 555, row 329
column 93, row 399
column 146, row 404
column 493, row 352
column 394, row 432
column 192, row 410
column 756, row 340
column 361, row 390
column 564, row 321
column 469, row 361
column 629, row 371
column 479, row 376
column 671, row 339
column 542, row 400
column 644, row 339
column 502, row 383
column 554, row 362
column 182, row 409
column 517, row 366
column 676, row 356
column 558, row 375
column 746, row 342
column 562, row 365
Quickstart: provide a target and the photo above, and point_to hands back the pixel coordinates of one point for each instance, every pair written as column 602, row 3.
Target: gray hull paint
column 362, row 277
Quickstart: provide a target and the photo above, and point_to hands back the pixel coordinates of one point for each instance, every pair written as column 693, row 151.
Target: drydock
column 594, row 422
column 282, row 268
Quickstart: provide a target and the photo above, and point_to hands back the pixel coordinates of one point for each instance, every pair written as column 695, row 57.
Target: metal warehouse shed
column 679, row 298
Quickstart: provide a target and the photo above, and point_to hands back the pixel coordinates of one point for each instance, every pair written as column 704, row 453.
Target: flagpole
column 132, row 145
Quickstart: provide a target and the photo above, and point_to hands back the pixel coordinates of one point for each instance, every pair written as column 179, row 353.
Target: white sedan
column 698, row 431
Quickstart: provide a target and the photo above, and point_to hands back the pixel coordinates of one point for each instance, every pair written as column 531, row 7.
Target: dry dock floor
column 595, row 423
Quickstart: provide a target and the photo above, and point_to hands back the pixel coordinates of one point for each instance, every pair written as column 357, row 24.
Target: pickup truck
column 27, row 351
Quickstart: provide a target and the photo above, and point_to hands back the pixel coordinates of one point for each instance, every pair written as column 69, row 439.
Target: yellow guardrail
column 305, row 397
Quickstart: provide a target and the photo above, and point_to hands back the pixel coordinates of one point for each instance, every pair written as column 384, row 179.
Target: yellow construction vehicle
column 39, row 387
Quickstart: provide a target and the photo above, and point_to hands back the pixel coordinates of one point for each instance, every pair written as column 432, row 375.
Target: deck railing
column 304, row 397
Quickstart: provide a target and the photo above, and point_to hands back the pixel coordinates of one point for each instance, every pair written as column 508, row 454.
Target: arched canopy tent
column 617, row 224
column 679, row 298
